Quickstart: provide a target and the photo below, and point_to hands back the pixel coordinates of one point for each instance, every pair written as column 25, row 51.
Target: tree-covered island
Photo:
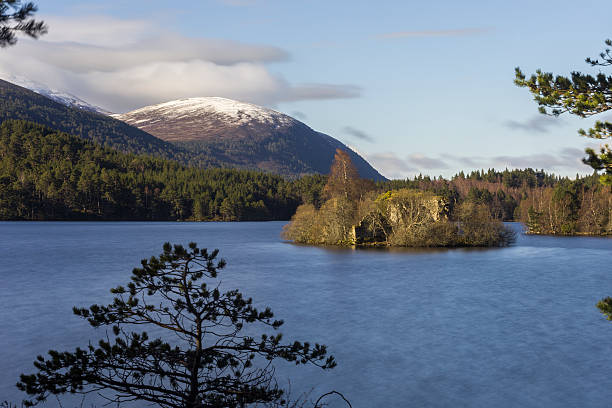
column 356, row 213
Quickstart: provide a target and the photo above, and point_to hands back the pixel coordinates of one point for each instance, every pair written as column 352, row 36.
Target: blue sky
column 413, row 86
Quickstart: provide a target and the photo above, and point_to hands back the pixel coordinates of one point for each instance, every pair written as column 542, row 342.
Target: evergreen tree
column 212, row 359
column 582, row 95
column 533, row 221
column 16, row 17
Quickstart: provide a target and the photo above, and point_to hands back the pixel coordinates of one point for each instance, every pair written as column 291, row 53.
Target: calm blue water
column 512, row 327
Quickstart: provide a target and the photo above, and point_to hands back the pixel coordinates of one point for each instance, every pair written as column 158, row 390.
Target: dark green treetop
column 210, row 362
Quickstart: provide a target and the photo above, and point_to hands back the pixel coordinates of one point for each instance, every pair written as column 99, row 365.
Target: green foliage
column 534, row 223
column 208, row 358
column 46, row 175
column 582, row 95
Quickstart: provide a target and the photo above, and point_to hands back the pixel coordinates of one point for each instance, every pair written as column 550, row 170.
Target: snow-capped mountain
column 203, row 118
column 243, row 135
column 64, row 98
column 203, row 132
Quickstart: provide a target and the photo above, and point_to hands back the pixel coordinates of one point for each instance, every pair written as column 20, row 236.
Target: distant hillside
column 22, row 104
column 244, row 135
column 219, row 133
column 62, row 97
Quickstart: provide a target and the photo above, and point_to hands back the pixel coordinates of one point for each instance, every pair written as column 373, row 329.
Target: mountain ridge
column 65, row 98
column 239, row 135
column 20, row 103
column 269, row 139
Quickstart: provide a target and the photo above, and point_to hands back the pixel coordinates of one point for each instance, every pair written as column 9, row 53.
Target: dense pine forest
column 49, row 175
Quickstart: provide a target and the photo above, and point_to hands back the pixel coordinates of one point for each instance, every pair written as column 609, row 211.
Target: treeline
column 546, row 203
column 49, row 175
column 356, row 212
column 582, row 206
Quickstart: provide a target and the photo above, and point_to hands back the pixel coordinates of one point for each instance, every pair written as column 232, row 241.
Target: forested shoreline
column 545, row 203
column 50, row 175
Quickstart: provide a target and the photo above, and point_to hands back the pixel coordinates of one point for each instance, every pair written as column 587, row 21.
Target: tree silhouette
column 212, row 360
column 16, row 17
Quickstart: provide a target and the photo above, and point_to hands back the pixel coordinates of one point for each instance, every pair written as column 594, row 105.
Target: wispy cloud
column 460, row 32
column 390, row 165
column 125, row 64
column 321, row 91
column 299, row 115
column 564, row 161
column 537, row 124
column 428, row 163
column 358, row 134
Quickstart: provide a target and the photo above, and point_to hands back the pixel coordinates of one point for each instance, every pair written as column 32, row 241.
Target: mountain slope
column 227, row 134
column 243, row 135
column 62, row 97
column 20, row 103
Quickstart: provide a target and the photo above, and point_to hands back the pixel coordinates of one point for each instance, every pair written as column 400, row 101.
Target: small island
column 355, row 213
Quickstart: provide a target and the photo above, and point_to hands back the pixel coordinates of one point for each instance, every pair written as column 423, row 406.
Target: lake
column 509, row 327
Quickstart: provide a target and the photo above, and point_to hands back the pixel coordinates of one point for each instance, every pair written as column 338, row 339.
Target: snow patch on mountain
column 235, row 112
column 64, row 98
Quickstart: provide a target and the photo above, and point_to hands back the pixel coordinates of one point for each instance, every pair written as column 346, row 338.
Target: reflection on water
column 501, row 327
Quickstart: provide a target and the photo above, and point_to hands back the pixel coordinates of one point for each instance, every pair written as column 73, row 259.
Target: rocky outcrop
column 398, row 209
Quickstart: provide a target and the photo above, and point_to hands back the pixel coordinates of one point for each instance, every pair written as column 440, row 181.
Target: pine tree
column 16, row 17
column 213, row 359
column 533, row 221
column 583, row 95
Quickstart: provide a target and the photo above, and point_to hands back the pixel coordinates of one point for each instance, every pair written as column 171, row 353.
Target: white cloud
column 125, row 64
column 80, row 57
